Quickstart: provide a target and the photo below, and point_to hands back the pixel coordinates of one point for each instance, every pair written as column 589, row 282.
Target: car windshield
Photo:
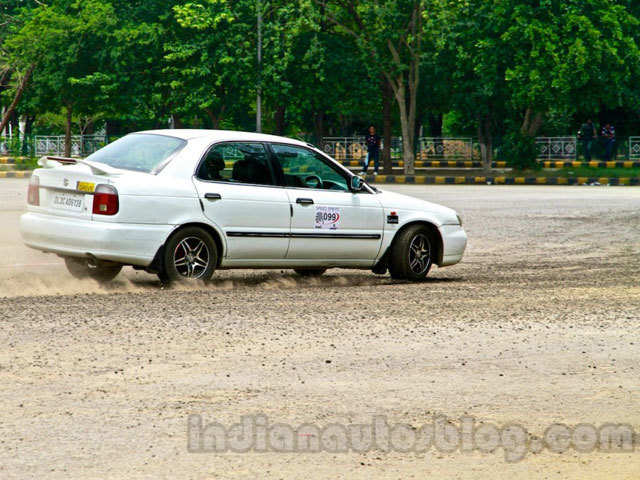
column 140, row 152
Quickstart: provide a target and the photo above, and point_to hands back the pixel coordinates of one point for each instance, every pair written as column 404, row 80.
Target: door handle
column 213, row 196
column 305, row 201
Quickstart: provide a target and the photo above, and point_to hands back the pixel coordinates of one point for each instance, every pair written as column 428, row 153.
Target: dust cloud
column 53, row 279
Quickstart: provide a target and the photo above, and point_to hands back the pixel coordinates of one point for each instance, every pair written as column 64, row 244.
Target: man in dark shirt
column 373, row 150
column 609, row 136
column 587, row 135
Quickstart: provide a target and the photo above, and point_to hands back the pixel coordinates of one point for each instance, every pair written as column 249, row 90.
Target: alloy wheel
column 191, row 257
column 419, row 254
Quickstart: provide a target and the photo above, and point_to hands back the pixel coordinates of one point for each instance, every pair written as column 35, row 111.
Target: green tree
column 519, row 60
column 210, row 61
column 58, row 42
column 134, row 88
column 324, row 84
column 391, row 35
column 11, row 68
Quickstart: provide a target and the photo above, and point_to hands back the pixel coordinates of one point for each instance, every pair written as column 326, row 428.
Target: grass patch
column 585, row 172
column 598, row 172
column 569, row 172
column 26, row 163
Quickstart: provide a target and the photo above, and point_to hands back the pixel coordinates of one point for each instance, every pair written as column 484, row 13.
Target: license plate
column 68, row 201
column 86, row 187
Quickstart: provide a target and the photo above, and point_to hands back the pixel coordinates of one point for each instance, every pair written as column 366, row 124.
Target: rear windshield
column 141, row 152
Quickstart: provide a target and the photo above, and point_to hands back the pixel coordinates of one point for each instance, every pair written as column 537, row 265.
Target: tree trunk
column 5, row 77
column 109, row 128
column 536, row 123
column 67, row 132
column 176, row 122
column 413, row 103
column 16, row 98
column 435, row 130
column 215, row 119
column 413, row 82
column 387, row 164
column 279, row 118
column 532, row 122
column 417, row 131
column 319, row 129
column 28, row 129
column 485, row 137
column 15, row 125
column 407, row 144
column 406, row 125
column 435, row 124
column 405, row 92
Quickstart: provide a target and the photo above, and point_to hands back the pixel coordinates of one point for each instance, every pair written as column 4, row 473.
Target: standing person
column 609, row 136
column 587, row 136
column 373, row 150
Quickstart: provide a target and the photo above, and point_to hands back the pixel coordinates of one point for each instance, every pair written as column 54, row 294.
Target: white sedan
column 183, row 203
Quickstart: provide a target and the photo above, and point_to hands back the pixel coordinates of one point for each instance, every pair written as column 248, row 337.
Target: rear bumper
column 134, row 244
column 455, row 241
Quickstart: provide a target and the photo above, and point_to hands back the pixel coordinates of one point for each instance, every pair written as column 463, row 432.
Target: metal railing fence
column 349, row 149
column 451, row 149
column 551, row 148
column 634, row 148
column 81, row 145
column 17, row 146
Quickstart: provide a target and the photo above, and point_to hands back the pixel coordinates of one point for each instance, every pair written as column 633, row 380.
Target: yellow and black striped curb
column 22, row 174
column 7, row 160
column 469, row 164
column 429, row 180
column 593, row 164
column 432, row 164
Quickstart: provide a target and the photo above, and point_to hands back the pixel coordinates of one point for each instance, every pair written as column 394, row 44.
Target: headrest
column 251, row 170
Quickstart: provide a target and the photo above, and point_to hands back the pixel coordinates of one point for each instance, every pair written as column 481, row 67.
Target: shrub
column 520, row 151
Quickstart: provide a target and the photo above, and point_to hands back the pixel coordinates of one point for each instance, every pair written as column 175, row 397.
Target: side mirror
column 356, row 184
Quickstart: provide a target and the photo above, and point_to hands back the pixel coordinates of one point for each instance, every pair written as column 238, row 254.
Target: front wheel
column 412, row 254
column 190, row 254
column 84, row 268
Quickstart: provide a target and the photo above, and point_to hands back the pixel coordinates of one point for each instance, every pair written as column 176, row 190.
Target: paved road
column 538, row 325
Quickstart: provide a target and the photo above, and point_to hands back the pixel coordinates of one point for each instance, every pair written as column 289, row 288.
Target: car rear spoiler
column 96, row 168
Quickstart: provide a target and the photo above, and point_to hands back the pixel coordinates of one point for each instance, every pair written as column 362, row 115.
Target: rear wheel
column 85, row 268
column 412, row 254
column 190, row 254
column 310, row 272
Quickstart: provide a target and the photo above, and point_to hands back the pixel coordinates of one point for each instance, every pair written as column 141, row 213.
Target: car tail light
column 33, row 194
column 105, row 200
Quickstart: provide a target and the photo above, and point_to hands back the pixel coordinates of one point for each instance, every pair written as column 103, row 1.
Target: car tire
column 310, row 272
column 412, row 254
column 190, row 254
column 81, row 268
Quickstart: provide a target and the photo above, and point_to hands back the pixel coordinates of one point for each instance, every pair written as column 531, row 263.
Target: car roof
column 222, row 135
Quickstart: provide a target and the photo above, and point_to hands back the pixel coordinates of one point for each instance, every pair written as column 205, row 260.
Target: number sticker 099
column 328, row 218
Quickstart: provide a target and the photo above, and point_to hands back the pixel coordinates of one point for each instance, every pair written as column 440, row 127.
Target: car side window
column 304, row 168
column 236, row 163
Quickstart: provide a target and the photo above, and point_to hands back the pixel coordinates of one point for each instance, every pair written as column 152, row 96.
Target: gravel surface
column 538, row 325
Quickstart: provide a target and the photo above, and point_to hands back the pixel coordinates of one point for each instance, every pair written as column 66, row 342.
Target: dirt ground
column 538, row 325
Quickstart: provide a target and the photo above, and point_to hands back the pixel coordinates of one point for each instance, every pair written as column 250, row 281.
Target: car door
column 236, row 186
column 328, row 220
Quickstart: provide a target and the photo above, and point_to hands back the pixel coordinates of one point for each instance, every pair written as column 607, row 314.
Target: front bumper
column 133, row 244
column 454, row 239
